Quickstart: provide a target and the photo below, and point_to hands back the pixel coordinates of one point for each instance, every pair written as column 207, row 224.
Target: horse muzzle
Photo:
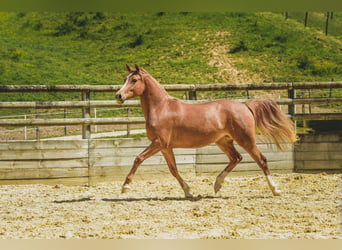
column 120, row 98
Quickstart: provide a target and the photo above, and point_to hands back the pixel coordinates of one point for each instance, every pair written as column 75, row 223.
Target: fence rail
column 72, row 121
column 134, row 103
column 174, row 87
column 86, row 104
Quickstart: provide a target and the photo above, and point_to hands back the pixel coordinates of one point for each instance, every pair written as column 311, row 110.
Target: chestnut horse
column 171, row 123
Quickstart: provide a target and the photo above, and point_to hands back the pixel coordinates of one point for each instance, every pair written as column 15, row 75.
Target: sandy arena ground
column 245, row 208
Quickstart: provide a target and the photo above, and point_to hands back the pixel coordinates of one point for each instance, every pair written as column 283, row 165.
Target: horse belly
column 193, row 139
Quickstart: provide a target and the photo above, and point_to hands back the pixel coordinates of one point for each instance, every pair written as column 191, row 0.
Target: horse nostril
column 118, row 96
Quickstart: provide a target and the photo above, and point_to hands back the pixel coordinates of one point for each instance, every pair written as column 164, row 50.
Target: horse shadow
column 73, row 200
column 192, row 199
column 195, row 198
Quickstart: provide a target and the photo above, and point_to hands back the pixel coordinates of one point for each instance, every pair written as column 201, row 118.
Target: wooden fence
column 317, row 152
column 86, row 104
column 93, row 160
column 97, row 160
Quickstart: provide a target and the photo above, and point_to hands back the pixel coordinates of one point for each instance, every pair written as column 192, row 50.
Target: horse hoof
column 217, row 187
column 125, row 189
column 189, row 196
column 276, row 192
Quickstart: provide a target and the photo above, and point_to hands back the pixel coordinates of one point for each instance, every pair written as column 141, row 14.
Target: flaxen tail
column 272, row 122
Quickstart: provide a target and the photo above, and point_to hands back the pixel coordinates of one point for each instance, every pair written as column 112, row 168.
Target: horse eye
column 134, row 80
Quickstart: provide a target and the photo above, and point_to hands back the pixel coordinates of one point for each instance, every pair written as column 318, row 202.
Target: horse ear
column 130, row 70
column 137, row 68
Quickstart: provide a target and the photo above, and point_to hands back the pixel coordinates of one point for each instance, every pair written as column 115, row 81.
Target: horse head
column 134, row 84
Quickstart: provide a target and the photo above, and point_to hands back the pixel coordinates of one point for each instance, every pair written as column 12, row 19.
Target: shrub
column 316, row 66
column 81, row 21
column 160, row 14
column 139, row 40
column 21, row 14
column 323, row 67
column 64, row 29
column 38, row 26
column 282, row 38
column 122, row 26
column 303, row 62
column 77, row 18
column 240, row 46
column 75, row 21
column 14, row 54
column 99, row 16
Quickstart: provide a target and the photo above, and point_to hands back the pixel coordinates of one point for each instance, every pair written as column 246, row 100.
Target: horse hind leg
column 227, row 146
column 262, row 162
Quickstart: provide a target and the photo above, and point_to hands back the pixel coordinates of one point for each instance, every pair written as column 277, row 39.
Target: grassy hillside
column 92, row 48
column 200, row 48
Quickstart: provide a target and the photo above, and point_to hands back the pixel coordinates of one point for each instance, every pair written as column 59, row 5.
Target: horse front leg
column 171, row 162
column 227, row 146
column 152, row 149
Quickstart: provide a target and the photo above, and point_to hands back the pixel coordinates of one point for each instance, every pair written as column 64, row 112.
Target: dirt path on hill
column 226, row 63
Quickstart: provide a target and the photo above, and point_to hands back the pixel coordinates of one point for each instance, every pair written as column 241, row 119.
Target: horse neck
column 153, row 97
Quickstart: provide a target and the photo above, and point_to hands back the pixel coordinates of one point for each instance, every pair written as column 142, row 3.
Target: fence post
column 95, row 116
column 291, row 93
column 327, row 23
column 86, row 114
column 37, row 128
column 25, row 129
column 128, row 125
column 306, row 19
column 192, row 95
column 65, row 127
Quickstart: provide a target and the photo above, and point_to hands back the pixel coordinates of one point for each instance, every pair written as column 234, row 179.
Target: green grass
column 93, row 48
column 283, row 50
